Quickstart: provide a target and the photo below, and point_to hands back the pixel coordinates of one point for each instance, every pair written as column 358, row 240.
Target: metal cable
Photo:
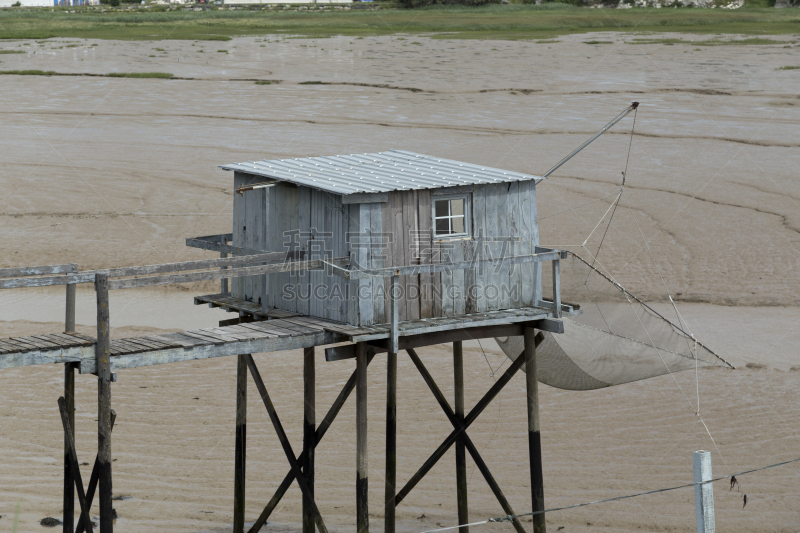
column 508, row 518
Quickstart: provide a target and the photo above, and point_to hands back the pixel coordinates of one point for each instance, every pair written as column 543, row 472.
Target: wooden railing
column 276, row 262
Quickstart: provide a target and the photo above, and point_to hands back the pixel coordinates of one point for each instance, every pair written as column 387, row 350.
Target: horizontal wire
column 511, row 517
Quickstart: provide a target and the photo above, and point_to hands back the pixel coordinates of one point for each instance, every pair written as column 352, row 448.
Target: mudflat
column 109, row 171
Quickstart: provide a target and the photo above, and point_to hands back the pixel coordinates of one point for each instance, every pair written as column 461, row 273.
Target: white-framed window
column 451, row 216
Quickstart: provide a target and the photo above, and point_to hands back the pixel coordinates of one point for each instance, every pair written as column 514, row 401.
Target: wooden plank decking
column 234, row 305
column 252, row 337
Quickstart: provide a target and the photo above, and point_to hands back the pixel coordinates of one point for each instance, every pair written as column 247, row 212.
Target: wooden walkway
column 288, row 333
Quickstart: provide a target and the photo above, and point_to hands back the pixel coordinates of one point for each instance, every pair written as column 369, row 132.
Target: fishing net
column 617, row 338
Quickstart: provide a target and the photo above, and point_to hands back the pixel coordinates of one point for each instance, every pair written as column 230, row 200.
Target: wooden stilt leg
column 309, row 429
column 69, row 315
column 362, row 506
column 391, row 441
column 240, row 454
column 534, row 437
column 69, row 479
column 461, row 456
column 224, row 281
column 102, row 355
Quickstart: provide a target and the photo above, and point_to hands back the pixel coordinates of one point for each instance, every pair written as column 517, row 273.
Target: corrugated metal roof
column 395, row 170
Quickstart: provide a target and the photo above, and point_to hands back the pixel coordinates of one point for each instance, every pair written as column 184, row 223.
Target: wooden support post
column 394, row 296
column 309, row 429
column 102, row 357
column 240, row 453
column 557, row 287
column 362, row 483
column 391, row 441
column 534, row 437
column 69, row 478
column 224, row 281
column 69, row 315
column 461, row 456
column 703, row 494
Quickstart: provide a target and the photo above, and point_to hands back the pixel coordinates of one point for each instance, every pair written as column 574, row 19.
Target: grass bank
column 489, row 22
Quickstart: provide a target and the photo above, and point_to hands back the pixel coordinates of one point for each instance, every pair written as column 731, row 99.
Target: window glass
column 442, row 208
column 457, row 207
column 450, row 216
column 458, row 225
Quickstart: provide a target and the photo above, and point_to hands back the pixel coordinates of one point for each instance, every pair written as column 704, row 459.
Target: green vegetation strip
column 514, row 21
column 713, row 42
column 163, row 75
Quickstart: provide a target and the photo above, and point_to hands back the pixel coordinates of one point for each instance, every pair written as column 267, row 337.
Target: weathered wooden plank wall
column 503, row 220
column 244, row 228
column 377, row 260
column 363, row 224
column 304, row 216
column 405, row 244
column 339, row 221
column 314, row 244
column 376, row 235
column 283, row 218
column 288, row 218
column 426, row 281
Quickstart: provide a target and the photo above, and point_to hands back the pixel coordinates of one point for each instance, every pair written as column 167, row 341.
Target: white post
column 703, row 494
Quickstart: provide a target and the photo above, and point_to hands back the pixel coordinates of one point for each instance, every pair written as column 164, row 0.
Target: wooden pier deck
column 246, row 338
column 243, row 307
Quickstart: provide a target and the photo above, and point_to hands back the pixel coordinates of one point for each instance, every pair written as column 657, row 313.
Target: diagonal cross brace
column 73, row 459
column 468, row 420
column 287, row 447
column 443, row 403
column 93, row 483
column 321, row 430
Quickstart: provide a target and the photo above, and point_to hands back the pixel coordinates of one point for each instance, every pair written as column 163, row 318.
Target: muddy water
column 112, row 172
column 147, row 308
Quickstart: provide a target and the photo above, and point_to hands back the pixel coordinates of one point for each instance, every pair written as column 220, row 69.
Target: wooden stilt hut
column 419, row 250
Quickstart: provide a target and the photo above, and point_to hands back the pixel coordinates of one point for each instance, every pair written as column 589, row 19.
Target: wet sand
column 112, row 172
